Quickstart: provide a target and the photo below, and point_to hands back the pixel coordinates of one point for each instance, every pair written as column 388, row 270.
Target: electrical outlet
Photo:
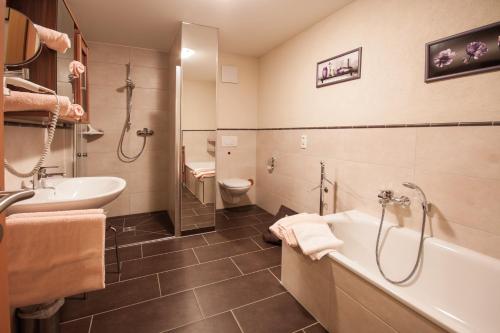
column 303, row 142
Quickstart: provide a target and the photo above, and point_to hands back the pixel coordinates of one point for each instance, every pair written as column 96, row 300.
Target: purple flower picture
column 444, row 58
column 466, row 53
column 475, row 50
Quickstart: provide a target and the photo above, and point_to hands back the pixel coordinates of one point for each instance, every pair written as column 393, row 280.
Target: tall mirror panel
column 198, row 127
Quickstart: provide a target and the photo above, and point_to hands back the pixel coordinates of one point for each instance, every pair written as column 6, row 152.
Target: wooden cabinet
column 50, row 69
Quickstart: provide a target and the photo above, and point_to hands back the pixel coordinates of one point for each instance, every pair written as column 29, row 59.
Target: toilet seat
column 236, row 183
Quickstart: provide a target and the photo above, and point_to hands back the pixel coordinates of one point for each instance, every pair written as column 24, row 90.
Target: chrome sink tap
column 40, row 177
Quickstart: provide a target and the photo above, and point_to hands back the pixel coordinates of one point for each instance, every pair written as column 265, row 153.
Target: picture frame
column 341, row 68
column 466, row 53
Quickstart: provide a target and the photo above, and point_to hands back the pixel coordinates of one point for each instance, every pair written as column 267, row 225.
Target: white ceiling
column 248, row 27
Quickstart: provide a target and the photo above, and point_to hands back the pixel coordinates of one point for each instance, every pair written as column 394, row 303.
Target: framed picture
column 466, row 53
column 341, row 68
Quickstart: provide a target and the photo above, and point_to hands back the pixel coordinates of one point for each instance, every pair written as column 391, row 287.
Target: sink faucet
column 40, row 177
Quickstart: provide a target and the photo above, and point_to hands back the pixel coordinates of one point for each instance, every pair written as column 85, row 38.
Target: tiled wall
column 24, row 145
column 237, row 108
column 457, row 167
column 146, row 178
column 196, row 145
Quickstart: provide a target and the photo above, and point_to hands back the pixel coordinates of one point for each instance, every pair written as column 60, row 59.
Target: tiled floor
column 224, row 281
column 194, row 214
column 139, row 228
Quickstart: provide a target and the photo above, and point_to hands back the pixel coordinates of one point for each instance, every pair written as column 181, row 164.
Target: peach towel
column 25, row 101
column 54, row 40
column 76, row 68
column 204, row 174
column 54, row 255
column 284, row 230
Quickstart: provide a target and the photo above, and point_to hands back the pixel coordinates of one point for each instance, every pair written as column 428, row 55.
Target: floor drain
column 128, row 229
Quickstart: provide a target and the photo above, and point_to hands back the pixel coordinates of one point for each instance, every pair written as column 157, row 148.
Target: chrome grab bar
column 7, row 198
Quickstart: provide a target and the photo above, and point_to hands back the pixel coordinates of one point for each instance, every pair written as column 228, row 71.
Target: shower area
column 127, row 137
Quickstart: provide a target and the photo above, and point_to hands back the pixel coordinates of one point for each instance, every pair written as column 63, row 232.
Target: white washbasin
column 72, row 193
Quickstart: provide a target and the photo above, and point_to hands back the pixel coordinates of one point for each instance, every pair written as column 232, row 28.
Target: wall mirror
column 22, row 44
column 199, row 52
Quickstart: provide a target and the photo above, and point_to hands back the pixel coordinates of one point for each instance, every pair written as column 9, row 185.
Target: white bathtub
column 456, row 288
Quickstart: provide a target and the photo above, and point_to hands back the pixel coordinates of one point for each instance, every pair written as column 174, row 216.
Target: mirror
column 198, row 127
column 65, row 24
column 22, row 44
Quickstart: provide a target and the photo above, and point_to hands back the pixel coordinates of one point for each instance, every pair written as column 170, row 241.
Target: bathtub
column 455, row 289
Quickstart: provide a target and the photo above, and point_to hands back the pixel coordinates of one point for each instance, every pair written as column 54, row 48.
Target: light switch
column 303, row 142
column 229, row 141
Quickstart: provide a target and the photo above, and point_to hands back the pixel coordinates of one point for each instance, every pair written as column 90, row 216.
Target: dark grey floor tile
column 224, row 250
column 113, row 296
column 266, row 218
column 279, row 314
column 276, row 271
column 175, row 244
column 236, row 222
column 229, row 234
column 223, row 323
column 258, row 239
column 195, row 276
column 226, row 295
column 316, row 328
column 150, row 317
column 158, row 263
column 115, row 221
column 125, row 253
column 243, row 211
column 135, row 219
column 255, row 261
column 262, row 227
column 111, row 274
column 77, row 326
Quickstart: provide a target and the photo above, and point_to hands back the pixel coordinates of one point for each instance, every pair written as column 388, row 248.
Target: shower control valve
column 385, row 196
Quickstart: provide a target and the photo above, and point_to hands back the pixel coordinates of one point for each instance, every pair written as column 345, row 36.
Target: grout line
column 159, row 284
column 73, row 320
column 254, row 302
column 142, row 252
column 90, row 326
column 197, row 259
column 234, row 263
column 204, row 239
column 237, row 322
column 306, row 327
column 199, row 305
column 256, row 243
column 269, row 269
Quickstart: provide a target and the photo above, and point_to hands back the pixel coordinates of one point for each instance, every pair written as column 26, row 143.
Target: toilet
column 233, row 189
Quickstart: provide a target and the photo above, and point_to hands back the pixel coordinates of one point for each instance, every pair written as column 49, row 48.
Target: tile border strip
column 412, row 125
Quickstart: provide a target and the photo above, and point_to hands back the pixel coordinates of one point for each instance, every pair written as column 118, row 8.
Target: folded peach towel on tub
column 54, row 40
column 308, row 231
column 54, row 255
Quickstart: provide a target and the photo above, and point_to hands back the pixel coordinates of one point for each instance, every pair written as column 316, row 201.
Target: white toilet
column 233, row 189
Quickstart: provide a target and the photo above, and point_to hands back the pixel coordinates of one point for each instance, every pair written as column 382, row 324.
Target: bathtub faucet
column 387, row 197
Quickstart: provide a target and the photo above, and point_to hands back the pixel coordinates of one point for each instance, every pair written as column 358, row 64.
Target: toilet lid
column 236, row 182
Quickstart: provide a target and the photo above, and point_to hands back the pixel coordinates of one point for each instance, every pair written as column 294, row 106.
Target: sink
column 72, row 193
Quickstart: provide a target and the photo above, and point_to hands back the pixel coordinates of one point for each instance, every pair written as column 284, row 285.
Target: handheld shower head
column 421, row 193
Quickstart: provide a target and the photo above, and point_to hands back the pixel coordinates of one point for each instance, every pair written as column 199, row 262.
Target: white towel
column 315, row 240
column 282, row 228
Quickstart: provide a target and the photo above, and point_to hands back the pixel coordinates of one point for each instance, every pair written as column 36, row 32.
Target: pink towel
column 57, row 213
column 204, row 174
column 77, row 110
column 54, row 256
column 54, row 40
column 76, row 68
column 25, row 101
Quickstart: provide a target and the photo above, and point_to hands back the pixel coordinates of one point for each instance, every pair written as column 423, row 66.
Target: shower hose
column 46, row 147
column 420, row 247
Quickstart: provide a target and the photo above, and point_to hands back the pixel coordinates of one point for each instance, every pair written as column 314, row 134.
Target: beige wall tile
column 110, row 53
column 107, row 74
column 467, row 151
column 148, row 58
column 149, row 77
